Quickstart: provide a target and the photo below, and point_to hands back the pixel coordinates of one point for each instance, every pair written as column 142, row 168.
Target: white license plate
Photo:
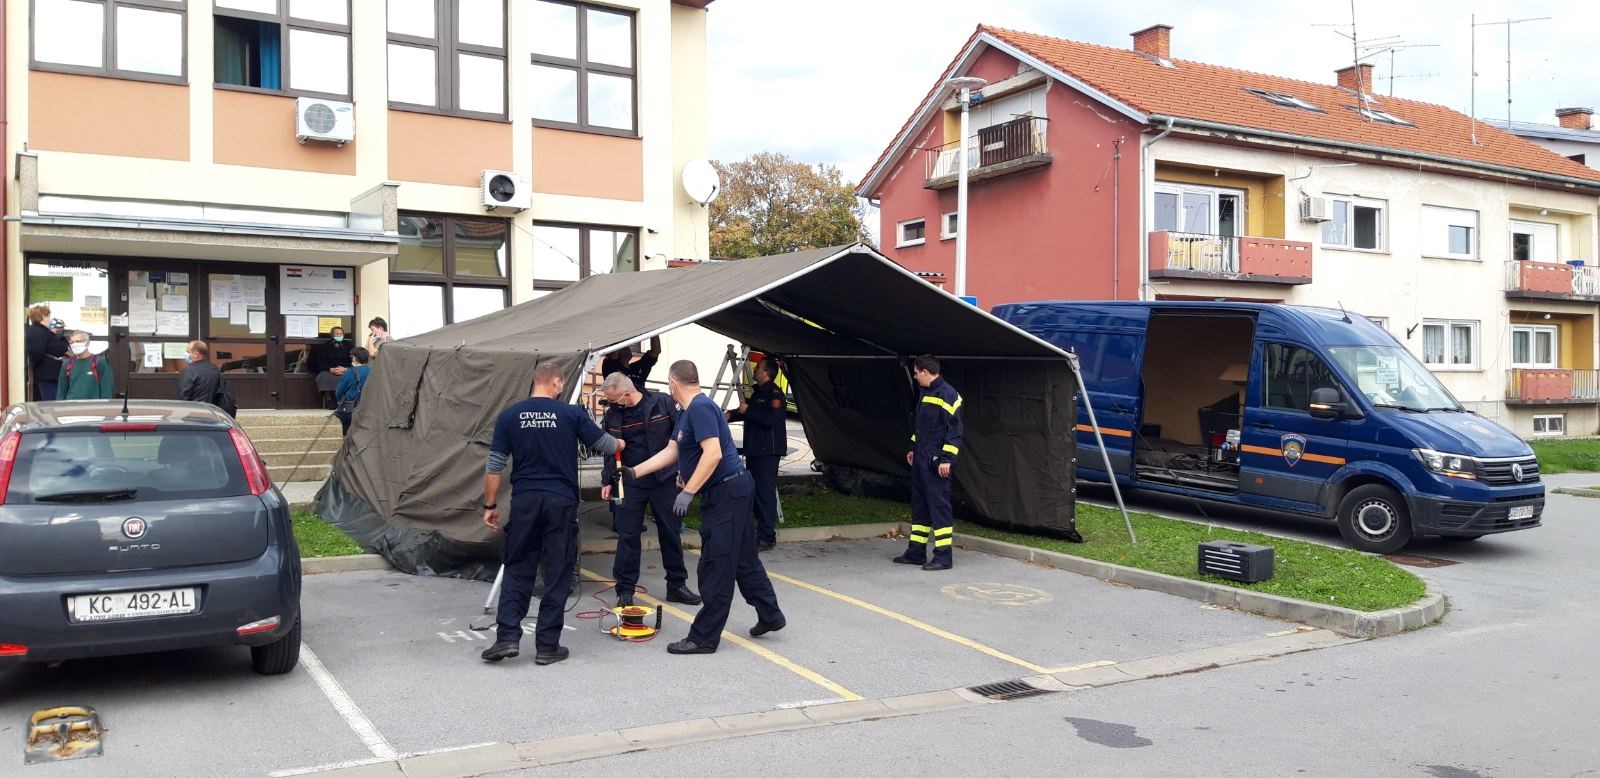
column 129, row 605
column 1520, row 512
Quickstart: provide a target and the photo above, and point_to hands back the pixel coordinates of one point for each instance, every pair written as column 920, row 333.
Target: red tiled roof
column 1196, row 90
column 1212, row 93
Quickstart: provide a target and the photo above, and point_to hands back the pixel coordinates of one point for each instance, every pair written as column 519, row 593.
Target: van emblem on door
column 134, row 528
column 1294, row 447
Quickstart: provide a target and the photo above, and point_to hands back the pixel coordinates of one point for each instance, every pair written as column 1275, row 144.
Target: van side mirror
column 1327, row 403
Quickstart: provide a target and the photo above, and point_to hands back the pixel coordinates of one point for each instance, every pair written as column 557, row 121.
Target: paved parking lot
column 392, row 667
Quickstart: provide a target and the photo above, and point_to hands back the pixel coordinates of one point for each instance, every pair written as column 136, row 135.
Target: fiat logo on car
column 134, row 528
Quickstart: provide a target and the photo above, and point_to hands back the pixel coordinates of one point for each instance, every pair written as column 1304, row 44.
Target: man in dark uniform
column 935, row 444
column 708, row 464
column 766, row 440
column 644, row 422
column 540, row 436
column 622, row 361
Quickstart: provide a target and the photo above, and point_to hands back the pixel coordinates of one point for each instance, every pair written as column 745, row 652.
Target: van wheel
column 1374, row 518
column 278, row 657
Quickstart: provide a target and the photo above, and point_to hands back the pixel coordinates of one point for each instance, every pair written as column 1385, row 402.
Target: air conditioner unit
column 324, row 120
column 505, row 189
column 1315, row 209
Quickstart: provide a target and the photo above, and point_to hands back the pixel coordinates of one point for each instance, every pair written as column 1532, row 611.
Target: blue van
column 1311, row 411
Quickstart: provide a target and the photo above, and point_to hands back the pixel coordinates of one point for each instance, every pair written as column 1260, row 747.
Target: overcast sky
column 832, row 80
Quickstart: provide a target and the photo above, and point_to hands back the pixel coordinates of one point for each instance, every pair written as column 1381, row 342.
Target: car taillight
column 254, row 627
column 255, row 471
column 8, row 459
column 12, row 649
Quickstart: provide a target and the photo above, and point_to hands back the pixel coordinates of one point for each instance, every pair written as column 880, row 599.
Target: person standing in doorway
column 539, row 436
column 622, row 361
column 44, row 347
column 935, row 444
column 329, row 361
column 708, row 465
column 200, row 379
column 766, row 440
column 644, row 421
column 84, row 376
column 377, row 335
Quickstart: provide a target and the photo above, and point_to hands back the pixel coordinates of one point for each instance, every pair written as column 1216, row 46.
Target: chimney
column 1356, row 78
column 1155, row 40
column 1576, row 118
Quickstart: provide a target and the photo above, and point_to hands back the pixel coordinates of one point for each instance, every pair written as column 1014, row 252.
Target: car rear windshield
column 84, row 466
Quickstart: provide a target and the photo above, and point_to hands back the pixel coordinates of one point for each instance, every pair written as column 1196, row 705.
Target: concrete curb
column 1345, row 621
column 342, row 564
column 505, row 757
column 1575, row 491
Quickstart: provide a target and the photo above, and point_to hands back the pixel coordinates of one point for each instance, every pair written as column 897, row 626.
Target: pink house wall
column 1039, row 234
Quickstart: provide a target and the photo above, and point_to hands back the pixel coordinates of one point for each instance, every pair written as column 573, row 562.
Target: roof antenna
column 1346, row 314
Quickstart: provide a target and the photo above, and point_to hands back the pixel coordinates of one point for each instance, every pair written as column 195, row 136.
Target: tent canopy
column 845, row 321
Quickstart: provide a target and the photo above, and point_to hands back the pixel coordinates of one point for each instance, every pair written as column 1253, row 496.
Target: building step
column 307, row 472
column 254, row 419
column 316, row 431
column 289, row 458
column 296, row 445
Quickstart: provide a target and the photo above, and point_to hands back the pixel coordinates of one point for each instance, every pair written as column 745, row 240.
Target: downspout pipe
column 5, row 229
column 1146, row 197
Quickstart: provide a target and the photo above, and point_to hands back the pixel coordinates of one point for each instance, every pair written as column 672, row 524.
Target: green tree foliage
column 771, row 204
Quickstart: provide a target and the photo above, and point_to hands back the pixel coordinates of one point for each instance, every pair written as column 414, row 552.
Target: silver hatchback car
column 138, row 527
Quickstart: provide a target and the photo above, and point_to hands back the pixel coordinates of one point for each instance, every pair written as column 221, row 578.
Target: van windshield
column 1392, row 378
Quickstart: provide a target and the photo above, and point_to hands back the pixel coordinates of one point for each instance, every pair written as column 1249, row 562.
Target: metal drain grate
column 1008, row 690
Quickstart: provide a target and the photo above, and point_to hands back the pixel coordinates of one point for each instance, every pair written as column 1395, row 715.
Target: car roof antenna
column 1346, row 314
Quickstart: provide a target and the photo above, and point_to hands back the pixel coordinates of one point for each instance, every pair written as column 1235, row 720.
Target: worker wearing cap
column 643, row 420
column 708, row 465
column 935, row 445
column 540, row 437
column 766, row 440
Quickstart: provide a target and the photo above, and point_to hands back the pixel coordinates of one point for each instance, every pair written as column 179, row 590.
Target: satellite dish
column 700, row 181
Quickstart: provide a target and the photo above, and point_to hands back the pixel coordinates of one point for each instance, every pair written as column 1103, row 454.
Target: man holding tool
column 766, row 440
column 708, row 465
column 643, row 420
column 540, row 437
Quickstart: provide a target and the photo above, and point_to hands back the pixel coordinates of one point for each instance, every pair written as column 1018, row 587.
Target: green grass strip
column 1568, row 456
column 319, row 538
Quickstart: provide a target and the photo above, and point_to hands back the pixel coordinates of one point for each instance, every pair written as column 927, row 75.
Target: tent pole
column 1111, row 475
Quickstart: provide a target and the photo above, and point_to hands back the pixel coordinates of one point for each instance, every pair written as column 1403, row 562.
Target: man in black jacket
column 200, row 379
column 643, row 420
column 766, row 440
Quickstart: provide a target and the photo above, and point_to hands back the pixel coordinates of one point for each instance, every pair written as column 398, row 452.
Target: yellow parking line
column 761, row 651
column 904, row 619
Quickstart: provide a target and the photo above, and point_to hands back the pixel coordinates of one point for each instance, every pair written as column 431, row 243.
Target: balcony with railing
column 996, row 150
column 1552, row 280
column 1552, row 386
column 1229, row 258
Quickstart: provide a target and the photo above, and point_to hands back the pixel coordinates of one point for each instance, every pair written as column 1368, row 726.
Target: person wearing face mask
column 84, row 376
column 200, row 379
column 329, row 361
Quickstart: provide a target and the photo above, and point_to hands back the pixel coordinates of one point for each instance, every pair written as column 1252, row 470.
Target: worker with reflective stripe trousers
column 935, row 444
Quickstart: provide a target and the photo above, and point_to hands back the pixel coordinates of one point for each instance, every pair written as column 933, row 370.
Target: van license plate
column 128, row 605
column 1521, row 512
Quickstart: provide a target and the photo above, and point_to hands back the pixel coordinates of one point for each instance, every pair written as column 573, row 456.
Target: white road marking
column 358, row 721
column 322, row 768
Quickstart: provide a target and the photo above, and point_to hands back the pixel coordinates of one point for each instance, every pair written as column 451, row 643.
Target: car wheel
column 1374, row 518
column 280, row 656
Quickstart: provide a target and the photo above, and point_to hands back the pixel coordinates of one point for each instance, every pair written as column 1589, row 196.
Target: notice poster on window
column 152, row 355
column 327, row 323
column 174, row 302
column 91, row 316
column 319, row 290
column 238, row 314
column 300, row 326
column 253, row 291
column 141, row 315
column 49, row 289
column 171, row 350
column 219, row 308
column 258, row 322
column 170, row 323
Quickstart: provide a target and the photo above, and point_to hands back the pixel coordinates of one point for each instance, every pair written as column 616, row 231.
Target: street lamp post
column 965, row 84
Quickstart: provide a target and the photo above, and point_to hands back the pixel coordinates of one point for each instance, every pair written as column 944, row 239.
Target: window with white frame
column 1356, row 223
column 1451, row 233
column 1533, row 241
column 1550, row 424
column 1450, row 344
column 1200, row 210
column 139, row 39
column 947, row 226
column 1534, row 345
column 911, row 233
column 1381, row 321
